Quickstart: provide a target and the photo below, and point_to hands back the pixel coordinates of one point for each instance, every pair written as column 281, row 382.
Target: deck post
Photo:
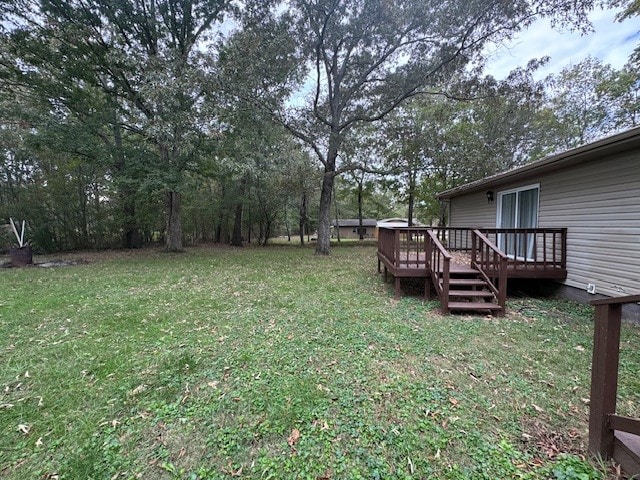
column 396, row 253
column 564, row 248
column 604, row 378
column 397, row 288
column 502, row 286
column 444, row 300
column 474, row 248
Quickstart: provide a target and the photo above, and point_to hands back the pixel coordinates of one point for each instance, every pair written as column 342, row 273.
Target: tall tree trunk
column 360, row 222
column 131, row 231
column 335, row 207
column 303, row 216
column 286, row 223
column 131, row 236
column 323, row 246
column 236, row 236
column 174, row 222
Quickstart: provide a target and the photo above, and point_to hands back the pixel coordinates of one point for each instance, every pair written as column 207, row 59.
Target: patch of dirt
column 49, row 263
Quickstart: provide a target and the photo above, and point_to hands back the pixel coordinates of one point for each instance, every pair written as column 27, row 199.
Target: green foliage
column 570, row 467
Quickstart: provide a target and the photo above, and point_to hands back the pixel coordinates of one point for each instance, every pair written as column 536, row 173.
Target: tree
column 366, row 57
column 581, row 108
column 149, row 57
column 630, row 8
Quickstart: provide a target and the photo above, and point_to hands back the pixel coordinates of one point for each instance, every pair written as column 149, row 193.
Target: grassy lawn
column 276, row 363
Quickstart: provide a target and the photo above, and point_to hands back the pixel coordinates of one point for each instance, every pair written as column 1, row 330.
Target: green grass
column 209, row 364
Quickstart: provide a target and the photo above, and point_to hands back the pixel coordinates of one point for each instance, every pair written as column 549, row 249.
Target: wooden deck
column 436, row 254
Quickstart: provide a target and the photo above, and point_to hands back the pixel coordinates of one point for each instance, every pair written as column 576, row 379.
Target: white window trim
column 514, row 190
column 533, row 186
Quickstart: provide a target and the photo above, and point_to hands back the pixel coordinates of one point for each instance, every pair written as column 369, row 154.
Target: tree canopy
column 137, row 121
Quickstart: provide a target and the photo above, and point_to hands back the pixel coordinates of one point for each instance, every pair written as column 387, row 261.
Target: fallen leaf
column 579, row 348
column 294, row 437
column 453, row 401
column 24, row 428
column 537, row 408
column 39, row 442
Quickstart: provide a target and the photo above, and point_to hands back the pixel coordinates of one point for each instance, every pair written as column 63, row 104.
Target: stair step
column 462, row 270
column 474, row 306
column 470, row 293
column 471, row 282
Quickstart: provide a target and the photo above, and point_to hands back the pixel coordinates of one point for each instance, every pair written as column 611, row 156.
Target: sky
column 612, row 42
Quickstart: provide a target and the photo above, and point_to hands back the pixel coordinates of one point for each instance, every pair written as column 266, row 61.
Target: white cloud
column 612, row 42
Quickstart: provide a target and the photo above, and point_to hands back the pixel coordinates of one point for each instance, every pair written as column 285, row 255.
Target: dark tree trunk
column 236, row 236
column 360, row 223
column 174, row 222
column 323, row 247
column 131, row 236
column 303, row 216
column 335, row 207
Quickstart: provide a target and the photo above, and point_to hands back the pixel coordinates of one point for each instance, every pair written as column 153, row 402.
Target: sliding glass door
column 518, row 208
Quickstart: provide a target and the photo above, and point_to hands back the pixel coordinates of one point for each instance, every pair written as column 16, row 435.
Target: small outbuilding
column 350, row 228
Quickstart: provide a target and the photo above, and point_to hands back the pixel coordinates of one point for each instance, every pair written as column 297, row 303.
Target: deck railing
column 541, row 248
column 440, row 264
column 487, row 258
column 454, row 238
column 610, row 435
column 404, row 247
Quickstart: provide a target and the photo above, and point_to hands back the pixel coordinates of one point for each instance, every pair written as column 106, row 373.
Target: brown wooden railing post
column 396, row 253
column 604, row 378
column 564, row 248
column 444, row 301
column 474, row 248
column 502, row 286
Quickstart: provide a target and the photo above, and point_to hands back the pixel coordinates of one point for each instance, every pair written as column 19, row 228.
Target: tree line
column 129, row 122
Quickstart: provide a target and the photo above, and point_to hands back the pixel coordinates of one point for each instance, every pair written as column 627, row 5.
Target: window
column 518, row 208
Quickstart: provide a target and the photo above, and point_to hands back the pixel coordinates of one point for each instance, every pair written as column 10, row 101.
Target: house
column 350, row 228
column 592, row 191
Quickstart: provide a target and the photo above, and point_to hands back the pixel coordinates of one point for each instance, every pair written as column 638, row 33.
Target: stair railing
column 491, row 262
column 439, row 265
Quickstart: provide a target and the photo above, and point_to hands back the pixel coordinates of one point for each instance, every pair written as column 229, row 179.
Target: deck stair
column 469, row 292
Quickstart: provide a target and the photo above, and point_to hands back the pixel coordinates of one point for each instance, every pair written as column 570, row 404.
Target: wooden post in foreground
column 604, row 377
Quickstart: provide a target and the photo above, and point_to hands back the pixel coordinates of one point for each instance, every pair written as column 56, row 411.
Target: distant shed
column 350, row 228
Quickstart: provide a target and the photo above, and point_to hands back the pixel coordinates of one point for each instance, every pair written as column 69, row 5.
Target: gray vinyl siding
column 599, row 203
column 472, row 210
